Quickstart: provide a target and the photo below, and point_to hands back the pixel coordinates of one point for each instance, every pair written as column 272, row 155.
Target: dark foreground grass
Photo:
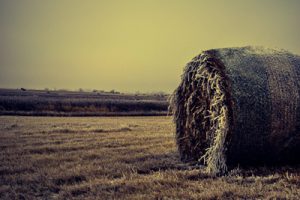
column 118, row 158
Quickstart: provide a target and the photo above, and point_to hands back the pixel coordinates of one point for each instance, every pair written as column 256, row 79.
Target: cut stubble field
column 118, row 158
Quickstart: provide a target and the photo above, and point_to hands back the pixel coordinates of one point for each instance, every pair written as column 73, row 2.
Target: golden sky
column 132, row 45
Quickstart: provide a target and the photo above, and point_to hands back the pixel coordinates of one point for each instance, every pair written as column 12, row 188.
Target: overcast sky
column 132, row 45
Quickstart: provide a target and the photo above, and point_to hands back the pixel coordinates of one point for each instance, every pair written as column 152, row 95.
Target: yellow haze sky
column 132, row 45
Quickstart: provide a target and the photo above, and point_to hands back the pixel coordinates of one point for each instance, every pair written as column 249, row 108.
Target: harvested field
column 118, row 158
column 239, row 106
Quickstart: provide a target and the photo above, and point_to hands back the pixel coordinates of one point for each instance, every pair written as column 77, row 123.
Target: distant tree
column 159, row 94
column 114, row 92
column 23, row 89
column 47, row 90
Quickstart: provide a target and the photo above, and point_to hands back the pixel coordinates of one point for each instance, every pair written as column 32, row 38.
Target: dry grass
column 118, row 158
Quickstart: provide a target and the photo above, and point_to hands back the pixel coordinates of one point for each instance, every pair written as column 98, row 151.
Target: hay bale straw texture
column 239, row 106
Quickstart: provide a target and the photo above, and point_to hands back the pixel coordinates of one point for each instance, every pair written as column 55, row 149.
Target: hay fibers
column 239, row 106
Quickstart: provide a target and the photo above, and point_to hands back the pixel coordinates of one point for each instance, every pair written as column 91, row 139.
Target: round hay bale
column 239, row 106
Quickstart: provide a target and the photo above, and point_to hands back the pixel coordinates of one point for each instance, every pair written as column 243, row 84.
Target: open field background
column 80, row 103
column 118, row 158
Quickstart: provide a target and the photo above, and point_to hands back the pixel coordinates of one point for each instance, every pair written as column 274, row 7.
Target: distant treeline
column 63, row 103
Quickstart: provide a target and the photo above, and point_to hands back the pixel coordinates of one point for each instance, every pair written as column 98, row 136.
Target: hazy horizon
column 130, row 45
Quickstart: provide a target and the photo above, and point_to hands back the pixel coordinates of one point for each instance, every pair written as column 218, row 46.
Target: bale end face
column 202, row 113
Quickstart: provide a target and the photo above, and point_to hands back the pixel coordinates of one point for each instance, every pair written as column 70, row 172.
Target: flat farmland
column 18, row 102
column 118, row 158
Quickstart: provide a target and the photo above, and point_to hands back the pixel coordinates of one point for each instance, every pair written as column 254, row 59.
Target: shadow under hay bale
column 239, row 106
